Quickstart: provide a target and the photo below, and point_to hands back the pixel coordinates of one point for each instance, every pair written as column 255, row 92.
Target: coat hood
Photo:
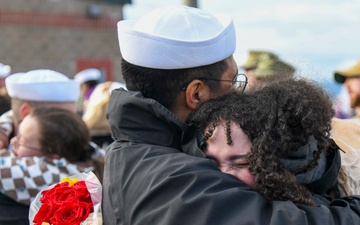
column 128, row 116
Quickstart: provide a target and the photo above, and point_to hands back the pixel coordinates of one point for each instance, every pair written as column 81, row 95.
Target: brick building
column 63, row 35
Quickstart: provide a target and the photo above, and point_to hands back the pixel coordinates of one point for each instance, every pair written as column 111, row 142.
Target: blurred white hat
column 5, row 70
column 87, row 75
column 176, row 37
column 42, row 85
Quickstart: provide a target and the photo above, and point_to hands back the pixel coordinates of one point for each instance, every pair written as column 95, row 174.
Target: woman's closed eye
column 240, row 165
column 239, row 161
column 235, row 164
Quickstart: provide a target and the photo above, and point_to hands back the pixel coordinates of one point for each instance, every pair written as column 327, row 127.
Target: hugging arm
column 193, row 191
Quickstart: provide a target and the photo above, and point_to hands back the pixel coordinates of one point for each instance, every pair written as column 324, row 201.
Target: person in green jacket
column 262, row 67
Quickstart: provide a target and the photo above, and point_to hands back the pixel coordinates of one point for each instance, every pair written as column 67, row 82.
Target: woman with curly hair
column 276, row 140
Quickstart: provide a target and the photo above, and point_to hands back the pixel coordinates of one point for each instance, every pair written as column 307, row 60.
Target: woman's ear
column 196, row 92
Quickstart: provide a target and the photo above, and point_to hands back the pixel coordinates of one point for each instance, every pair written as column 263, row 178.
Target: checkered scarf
column 22, row 178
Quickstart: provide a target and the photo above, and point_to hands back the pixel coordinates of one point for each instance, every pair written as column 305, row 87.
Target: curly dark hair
column 278, row 119
column 165, row 85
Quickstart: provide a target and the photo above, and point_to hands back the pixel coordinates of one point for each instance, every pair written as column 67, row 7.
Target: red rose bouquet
column 75, row 200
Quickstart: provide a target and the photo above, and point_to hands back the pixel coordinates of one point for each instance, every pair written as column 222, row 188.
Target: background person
column 95, row 114
column 88, row 79
column 5, row 104
column 36, row 88
column 5, row 71
column 154, row 171
column 51, row 144
column 262, row 67
column 351, row 80
column 346, row 135
column 342, row 106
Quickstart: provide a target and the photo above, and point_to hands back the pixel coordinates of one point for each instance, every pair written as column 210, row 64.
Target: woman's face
column 27, row 142
column 231, row 159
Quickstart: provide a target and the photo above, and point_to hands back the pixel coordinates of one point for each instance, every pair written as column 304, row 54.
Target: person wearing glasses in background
column 51, row 143
column 32, row 89
column 174, row 59
column 35, row 89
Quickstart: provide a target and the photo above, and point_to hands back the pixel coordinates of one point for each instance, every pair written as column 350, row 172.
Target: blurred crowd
column 51, row 127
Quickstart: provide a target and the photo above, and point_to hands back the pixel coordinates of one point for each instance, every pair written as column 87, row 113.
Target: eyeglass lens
column 240, row 81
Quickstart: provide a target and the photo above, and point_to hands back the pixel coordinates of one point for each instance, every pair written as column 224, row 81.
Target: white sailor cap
column 87, row 75
column 42, row 85
column 176, row 37
column 4, row 70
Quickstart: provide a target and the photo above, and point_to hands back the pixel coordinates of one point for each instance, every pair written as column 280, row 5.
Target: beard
column 355, row 100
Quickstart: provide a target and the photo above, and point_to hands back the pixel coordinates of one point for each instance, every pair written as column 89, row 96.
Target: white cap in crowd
column 87, row 75
column 176, row 37
column 42, row 85
column 4, row 70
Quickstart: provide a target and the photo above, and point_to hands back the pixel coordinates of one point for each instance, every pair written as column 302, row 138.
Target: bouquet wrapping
column 75, row 200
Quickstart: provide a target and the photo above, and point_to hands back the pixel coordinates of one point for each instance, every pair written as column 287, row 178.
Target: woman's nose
column 227, row 170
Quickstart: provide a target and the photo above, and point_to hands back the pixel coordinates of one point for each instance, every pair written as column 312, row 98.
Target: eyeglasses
column 17, row 144
column 240, row 81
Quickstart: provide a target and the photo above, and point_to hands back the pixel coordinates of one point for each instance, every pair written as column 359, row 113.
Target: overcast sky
column 317, row 36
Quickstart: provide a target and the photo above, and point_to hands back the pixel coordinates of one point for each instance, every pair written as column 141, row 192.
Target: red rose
column 75, row 193
column 53, row 191
column 71, row 213
column 45, row 213
column 65, row 205
column 62, row 192
column 82, row 192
